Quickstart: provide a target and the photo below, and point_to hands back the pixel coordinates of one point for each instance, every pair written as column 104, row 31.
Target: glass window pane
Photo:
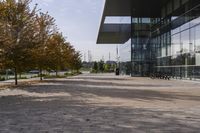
column 195, row 22
column 192, row 39
column 169, row 8
column 185, row 41
column 163, row 12
column 184, row 1
column 176, row 4
column 175, row 44
column 197, row 38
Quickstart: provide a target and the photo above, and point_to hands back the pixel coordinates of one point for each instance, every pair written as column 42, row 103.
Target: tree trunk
column 57, row 71
column 16, row 80
column 40, row 74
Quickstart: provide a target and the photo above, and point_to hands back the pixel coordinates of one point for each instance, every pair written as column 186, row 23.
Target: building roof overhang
column 120, row 33
column 114, row 33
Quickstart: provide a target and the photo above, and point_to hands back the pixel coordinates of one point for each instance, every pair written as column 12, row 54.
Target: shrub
column 54, row 76
column 2, row 79
column 94, row 71
column 73, row 73
column 23, row 78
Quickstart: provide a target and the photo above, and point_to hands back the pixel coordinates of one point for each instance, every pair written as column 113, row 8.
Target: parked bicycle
column 159, row 75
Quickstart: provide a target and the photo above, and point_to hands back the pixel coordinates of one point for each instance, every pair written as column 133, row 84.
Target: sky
column 79, row 21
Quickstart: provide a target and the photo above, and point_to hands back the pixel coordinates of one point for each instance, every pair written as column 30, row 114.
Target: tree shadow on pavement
column 62, row 106
column 61, row 114
column 77, row 88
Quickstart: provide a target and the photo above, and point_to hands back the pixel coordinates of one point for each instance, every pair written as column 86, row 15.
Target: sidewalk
column 12, row 81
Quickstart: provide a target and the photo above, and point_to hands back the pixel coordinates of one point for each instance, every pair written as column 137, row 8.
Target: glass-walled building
column 162, row 36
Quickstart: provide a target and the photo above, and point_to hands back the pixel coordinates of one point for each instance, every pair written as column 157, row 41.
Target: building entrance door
column 139, row 69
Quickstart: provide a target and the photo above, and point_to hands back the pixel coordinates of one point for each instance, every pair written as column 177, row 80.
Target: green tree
column 17, row 34
column 29, row 40
column 107, row 67
column 95, row 67
column 101, row 66
column 45, row 28
column 54, row 52
column 76, row 62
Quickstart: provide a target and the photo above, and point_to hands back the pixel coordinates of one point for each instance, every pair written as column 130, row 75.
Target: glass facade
column 169, row 44
column 125, row 58
column 140, row 37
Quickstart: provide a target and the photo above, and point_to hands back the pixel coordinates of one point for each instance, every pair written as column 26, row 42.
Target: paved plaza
column 101, row 103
